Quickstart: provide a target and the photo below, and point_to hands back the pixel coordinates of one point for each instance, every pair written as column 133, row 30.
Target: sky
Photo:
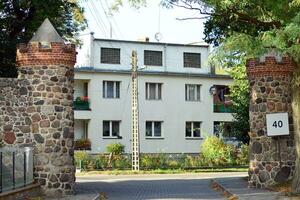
column 132, row 24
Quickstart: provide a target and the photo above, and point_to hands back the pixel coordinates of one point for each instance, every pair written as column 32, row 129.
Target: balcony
column 81, row 129
column 221, row 99
column 81, row 103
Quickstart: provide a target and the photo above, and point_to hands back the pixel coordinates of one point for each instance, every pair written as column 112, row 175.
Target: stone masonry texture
column 36, row 111
column 270, row 92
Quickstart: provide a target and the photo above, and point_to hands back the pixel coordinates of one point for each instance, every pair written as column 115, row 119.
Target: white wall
column 173, row 110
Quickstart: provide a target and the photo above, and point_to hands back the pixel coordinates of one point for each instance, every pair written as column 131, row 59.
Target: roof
column 46, row 33
column 93, row 70
column 153, row 43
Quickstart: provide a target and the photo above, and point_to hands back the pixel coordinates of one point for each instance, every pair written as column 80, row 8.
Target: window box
column 81, row 103
column 82, row 144
column 223, row 108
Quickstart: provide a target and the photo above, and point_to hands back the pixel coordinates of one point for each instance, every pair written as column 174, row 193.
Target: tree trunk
column 296, row 120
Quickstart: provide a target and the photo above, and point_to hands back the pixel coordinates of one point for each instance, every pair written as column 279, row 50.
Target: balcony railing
column 223, row 108
column 81, row 103
column 16, row 168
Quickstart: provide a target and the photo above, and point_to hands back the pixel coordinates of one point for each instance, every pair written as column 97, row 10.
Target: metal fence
column 16, row 168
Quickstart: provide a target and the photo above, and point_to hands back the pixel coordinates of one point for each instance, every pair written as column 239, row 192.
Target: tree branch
column 189, row 18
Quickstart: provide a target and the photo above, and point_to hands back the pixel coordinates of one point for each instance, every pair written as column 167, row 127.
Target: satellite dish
column 158, row 36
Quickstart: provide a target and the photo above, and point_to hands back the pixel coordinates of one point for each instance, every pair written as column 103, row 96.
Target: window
column 223, row 130
column 192, row 60
column 153, row 91
column 192, row 129
column 110, row 55
column 111, row 129
column 111, row 89
column 192, row 92
column 153, row 58
column 153, row 129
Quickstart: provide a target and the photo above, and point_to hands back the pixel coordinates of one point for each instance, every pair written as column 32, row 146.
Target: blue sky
column 132, row 24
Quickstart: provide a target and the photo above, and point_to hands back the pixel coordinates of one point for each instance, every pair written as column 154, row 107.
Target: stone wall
column 14, row 112
column 271, row 159
column 36, row 110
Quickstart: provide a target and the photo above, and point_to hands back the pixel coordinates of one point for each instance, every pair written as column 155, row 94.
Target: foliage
column 21, row 18
column 82, row 100
column 115, row 148
column 216, row 153
column 154, row 161
column 115, row 6
column 239, row 94
column 243, row 155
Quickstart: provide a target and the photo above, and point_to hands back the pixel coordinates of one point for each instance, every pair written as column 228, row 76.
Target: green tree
column 250, row 28
column 239, row 94
column 19, row 19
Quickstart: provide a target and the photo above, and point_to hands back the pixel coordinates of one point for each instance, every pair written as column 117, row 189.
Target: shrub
column 155, row 161
column 115, row 148
column 82, row 160
column 121, row 162
column 216, row 153
column 243, row 155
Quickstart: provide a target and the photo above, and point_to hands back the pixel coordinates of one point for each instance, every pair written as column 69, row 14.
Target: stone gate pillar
column 47, row 63
column 270, row 92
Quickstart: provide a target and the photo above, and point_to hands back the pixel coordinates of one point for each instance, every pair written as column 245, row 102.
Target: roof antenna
column 158, row 35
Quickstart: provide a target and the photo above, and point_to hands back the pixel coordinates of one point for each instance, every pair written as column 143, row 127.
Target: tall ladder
column 135, row 115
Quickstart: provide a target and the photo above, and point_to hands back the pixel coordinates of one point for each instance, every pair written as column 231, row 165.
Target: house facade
column 180, row 100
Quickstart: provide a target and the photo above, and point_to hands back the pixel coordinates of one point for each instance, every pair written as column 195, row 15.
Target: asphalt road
column 138, row 187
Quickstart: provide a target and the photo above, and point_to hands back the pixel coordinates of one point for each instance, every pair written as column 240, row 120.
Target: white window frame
column 192, row 127
column 114, row 90
column 147, row 90
column 110, row 129
column 187, row 92
column 152, row 130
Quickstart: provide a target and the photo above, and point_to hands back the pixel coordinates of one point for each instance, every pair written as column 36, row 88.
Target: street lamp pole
column 135, row 115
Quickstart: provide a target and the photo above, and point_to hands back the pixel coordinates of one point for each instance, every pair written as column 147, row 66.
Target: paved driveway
column 137, row 187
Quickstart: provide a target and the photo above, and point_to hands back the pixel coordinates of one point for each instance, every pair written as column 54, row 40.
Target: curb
column 221, row 189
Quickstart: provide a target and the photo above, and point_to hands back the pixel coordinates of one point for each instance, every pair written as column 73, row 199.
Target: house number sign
column 277, row 124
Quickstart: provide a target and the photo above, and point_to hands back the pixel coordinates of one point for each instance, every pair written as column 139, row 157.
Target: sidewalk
column 239, row 186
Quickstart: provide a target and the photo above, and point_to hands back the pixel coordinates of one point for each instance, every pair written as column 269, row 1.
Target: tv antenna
column 158, row 35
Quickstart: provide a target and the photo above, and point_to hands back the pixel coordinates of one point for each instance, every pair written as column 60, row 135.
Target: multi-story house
column 180, row 100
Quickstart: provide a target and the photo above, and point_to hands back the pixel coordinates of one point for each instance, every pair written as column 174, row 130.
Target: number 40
column 277, row 124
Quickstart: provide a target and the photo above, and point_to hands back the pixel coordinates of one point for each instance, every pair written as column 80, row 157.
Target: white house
column 180, row 100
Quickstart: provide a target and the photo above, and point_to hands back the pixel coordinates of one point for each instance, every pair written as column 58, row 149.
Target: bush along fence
column 215, row 153
column 16, row 168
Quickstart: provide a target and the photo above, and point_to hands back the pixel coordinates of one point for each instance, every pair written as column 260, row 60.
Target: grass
column 162, row 171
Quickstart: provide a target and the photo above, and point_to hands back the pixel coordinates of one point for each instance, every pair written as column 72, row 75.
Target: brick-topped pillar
column 48, row 66
column 270, row 92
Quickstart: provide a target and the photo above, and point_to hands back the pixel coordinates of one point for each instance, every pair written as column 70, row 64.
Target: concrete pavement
column 169, row 186
column 238, row 186
column 156, row 186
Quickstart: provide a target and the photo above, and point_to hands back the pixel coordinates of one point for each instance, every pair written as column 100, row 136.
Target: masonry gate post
column 47, row 63
column 271, row 160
